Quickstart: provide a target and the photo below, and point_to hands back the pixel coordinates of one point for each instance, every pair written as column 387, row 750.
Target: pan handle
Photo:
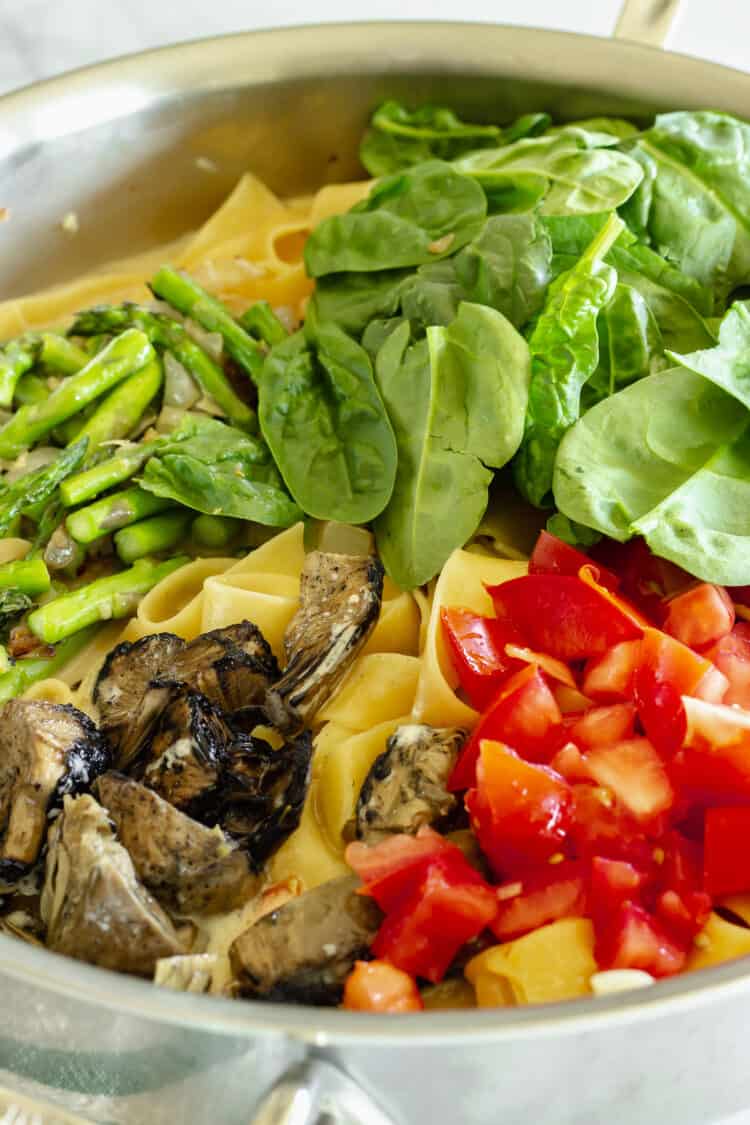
column 647, row 21
column 316, row 1092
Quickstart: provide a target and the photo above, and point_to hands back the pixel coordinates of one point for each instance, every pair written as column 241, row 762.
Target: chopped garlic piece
column 619, row 980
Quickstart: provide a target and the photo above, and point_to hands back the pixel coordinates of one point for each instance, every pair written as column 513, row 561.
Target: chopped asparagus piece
column 262, row 322
column 30, row 576
column 103, row 600
column 149, row 537
column 113, row 512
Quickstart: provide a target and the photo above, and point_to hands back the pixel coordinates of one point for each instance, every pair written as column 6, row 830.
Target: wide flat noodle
column 175, row 605
column 262, row 587
column 717, row 942
column 461, row 583
column 380, row 686
column 50, row 690
column 554, row 962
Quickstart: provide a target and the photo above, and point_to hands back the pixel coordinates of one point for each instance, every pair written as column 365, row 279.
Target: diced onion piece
column 619, row 980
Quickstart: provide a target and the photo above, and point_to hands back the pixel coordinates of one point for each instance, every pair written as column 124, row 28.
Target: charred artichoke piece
column 234, row 667
column 46, row 751
column 191, row 869
column 191, row 973
column 262, row 793
column 407, row 785
column 187, row 751
column 303, row 951
column 127, row 707
column 340, row 598
column 92, row 902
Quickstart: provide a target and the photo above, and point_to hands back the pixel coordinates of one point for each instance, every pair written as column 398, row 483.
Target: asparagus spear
column 61, row 355
column 187, row 297
column 214, row 531
column 103, row 600
column 125, row 355
column 149, row 537
column 16, row 358
column 30, row 576
column 113, row 512
column 163, row 332
column 30, row 669
column 262, row 322
column 31, row 389
column 37, row 487
column 121, row 411
column 91, row 482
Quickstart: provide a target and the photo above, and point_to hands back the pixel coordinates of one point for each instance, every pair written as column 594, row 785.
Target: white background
column 39, row 38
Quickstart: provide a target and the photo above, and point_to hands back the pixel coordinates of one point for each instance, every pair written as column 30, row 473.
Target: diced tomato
column 682, row 905
column 477, row 647
column 727, row 851
column 425, row 932
column 376, row 986
column 731, row 655
column 589, row 575
column 602, row 827
column 611, row 676
column 668, row 670
column 552, row 556
column 524, row 714
column 700, row 615
column 634, row 939
column 612, row 883
column 564, row 616
column 570, row 763
column 635, row 773
column 543, row 896
column 391, row 868
column 644, row 578
column 555, row 669
column 714, row 766
column 603, row 725
column 521, row 813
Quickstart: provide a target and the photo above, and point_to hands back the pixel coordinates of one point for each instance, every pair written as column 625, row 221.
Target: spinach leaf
column 630, row 344
column 564, row 347
column 352, row 300
column 398, row 137
column 219, row 470
column 416, row 216
column 655, row 306
column 694, row 201
column 667, row 458
column 565, row 174
column 507, row 266
column 324, row 421
column 601, row 131
column 457, row 401
column 728, row 364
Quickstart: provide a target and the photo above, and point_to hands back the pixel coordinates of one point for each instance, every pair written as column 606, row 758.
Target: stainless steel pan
column 118, row 144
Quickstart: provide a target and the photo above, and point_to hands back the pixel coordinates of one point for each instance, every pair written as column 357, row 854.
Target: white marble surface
column 40, row 38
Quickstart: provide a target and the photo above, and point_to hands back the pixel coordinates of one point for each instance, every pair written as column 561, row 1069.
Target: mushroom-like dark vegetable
column 303, row 951
column 187, row 751
column 407, row 785
column 190, row 868
column 262, row 793
column 92, row 902
column 234, row 667
column 46, row 751
column 127, row 707
column 340, row 598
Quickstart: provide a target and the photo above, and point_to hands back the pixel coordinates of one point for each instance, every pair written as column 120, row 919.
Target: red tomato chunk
column 699, row 616
column 727, row 851
column 376, row 986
